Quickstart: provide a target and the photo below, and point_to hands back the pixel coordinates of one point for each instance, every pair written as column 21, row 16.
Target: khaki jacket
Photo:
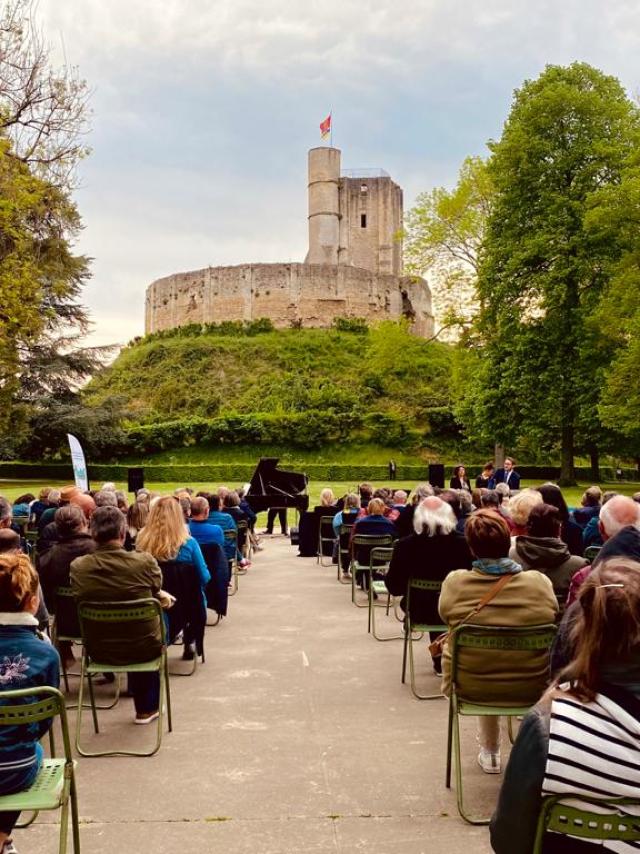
column 498, row 677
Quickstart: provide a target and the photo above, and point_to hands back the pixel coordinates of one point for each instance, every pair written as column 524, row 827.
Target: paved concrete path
column 295, row 737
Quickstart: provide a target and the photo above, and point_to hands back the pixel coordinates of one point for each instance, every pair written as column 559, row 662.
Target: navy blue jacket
column 501, row 477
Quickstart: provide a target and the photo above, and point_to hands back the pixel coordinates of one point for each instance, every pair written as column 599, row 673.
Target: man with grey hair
column 431, row 552
column 619, row 526
column 106, row 498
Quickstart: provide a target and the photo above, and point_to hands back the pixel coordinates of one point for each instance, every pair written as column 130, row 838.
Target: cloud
column 203, row 112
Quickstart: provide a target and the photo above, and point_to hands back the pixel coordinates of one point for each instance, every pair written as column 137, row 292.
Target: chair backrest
column 230, row 534
column 326, row 528
column 66, row 611
column 361, row 545
column 428, row 595
column 510, row 663
column 217, row 591
column 25, row 706
column 188, row 614
column 591, row 552
column 608, row 820
column 110, row 628
column 380, row 556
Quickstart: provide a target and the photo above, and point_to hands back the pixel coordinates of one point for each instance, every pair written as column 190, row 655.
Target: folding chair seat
column 120, row 616
column 55, row 786
column 422, row 628
column 594, row 820
column 508, row 639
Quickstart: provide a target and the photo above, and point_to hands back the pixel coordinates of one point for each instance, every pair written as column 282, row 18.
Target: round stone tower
column 324, row 205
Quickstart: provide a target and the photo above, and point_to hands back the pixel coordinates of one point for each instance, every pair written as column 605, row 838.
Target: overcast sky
column 204, row 111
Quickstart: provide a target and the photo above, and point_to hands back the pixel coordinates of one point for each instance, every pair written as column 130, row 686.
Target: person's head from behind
column 108, row 525
column 106, row 498
column 400, row 497
column 137, row 514
column 609, row 494
column 544, row 521
column 433, row 517
column 422, row 491
column 200, row 508
column 69, row 521
column 522, row 504
column 231, row 499
column 502, row 489
column 214, row 502
column 54, row 497
column 121, row 499
column 487, row 534
column 491, row 498
column 552, row 494
column 488, row 469
column 636, row 497
column 616, row 514
column 453, row 500
column 165, row 530
column 18, row 584
column 607, row 627
column 5, row 513
column 592, row 497
column 351, row 502
column 366, row 491
column 185, row 505
column 466, row 504
column 27, row 498
column 9, row 540
column 376, row 507
column 326, row 497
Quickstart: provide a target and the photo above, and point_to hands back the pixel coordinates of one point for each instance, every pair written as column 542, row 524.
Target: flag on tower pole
column 325, row 127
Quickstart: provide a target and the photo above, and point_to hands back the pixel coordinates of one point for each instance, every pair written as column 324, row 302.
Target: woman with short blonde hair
column 520, row 507
column 327, row 498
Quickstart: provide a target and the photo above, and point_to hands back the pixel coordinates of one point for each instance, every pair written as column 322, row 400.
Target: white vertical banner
column 79, row 464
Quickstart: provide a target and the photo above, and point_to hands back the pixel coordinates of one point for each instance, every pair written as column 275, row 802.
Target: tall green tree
column 569, row 134
column 443, row 234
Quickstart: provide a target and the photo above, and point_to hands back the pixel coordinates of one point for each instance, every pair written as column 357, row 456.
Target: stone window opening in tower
column 363, row 220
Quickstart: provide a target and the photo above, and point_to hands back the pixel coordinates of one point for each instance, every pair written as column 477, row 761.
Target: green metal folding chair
column 379, row 560
column 344, row 551
column 55, row 786
column 121, row 614
column 355, row 567
column 231, row 535
column 243, row 534
column 64, row 602
column 325, row 535
column 521, row 639
column 31, row 539
column 610, row 822
column 421, row 629
column 591, row 553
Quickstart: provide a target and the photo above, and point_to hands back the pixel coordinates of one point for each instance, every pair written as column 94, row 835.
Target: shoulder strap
column 489, row 595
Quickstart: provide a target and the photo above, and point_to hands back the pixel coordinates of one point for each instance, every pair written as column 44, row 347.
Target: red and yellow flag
column 325, row 127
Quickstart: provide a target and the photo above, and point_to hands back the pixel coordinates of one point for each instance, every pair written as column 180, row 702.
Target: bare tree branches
column 43, row 110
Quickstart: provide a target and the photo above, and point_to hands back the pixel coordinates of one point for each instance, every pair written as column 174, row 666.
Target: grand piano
column 271, row 487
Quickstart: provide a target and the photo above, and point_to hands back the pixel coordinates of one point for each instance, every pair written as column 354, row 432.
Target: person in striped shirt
column 582, row 740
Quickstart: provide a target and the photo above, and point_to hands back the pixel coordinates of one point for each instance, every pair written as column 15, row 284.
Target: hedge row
column 241, row 472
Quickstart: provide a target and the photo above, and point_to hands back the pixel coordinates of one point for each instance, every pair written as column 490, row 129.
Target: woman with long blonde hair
column 166, row 537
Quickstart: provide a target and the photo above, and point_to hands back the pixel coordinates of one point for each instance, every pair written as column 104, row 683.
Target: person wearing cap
column 74, row 495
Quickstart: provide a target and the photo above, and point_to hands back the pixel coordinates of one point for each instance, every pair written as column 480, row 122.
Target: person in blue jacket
column 26, row 661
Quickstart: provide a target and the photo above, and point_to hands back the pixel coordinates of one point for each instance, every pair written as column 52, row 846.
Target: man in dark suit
column 508, row 475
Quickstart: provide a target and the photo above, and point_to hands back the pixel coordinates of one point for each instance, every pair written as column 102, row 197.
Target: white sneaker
column 489, row 762
column 8, row 847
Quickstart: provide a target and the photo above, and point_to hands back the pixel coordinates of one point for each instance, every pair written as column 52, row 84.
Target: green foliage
column 570, row 133
column 305, row 388
column 351, row 324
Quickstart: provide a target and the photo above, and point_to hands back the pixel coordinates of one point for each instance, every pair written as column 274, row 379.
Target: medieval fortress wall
column 353, row 267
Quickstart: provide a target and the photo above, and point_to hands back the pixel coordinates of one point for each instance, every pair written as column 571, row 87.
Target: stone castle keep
column 353, row 267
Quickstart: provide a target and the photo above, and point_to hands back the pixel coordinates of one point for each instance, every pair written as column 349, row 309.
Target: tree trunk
column 567, row 469
column 594, row 453
column 499, row 455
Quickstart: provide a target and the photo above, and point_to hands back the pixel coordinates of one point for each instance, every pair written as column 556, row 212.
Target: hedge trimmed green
column 242, row 472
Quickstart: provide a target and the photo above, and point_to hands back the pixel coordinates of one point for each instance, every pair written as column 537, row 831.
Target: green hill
column 247, row 384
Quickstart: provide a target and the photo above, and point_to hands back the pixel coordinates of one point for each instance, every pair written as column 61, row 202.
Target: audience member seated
column 137, row 516
column 166, row 537
column 476, row 497
column 431, row 552
column 520, row 507
column 347, row 516
column 28, row 661
column 365, row 491
column 582, row 737
column 202, row 529
column 39, row 506
column 542, row 549
column 53, row 502
column 507, row 475
column 22, row 507
column 112, row 574
column 10, row 545
column 591, row 535
column 74, row 495
column 504, row 492
column 590, row 506
column 453, row 497
column 374, row 524
column 460, row 479
column 399, row 500
column 526, row 600
column 224, row 521
column 72, row 540
column 619, row 526
column 485, row 478
column 404, row 522
column 231, row 504
column 571, row 532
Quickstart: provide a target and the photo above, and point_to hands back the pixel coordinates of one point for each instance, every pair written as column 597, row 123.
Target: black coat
column 501, row 477
column 456, row 483
column 54, row 564
column 433, row 558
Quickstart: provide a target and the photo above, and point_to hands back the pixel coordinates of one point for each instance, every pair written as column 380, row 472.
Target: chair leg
column 64, row 826
column 370, row 602
column 75, row 818
column 458, row 763
column 512, row 737
column 167, row 692
column 412, row 674
column 449, row 742
column 407, row 635
column 93, row 702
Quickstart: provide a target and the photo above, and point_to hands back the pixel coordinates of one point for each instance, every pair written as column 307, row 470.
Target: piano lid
column 269, row 479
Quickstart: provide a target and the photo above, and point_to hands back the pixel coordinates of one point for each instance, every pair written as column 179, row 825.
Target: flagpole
column 331, row 129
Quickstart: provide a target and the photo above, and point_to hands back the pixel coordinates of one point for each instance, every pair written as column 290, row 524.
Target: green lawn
column 10, row 489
